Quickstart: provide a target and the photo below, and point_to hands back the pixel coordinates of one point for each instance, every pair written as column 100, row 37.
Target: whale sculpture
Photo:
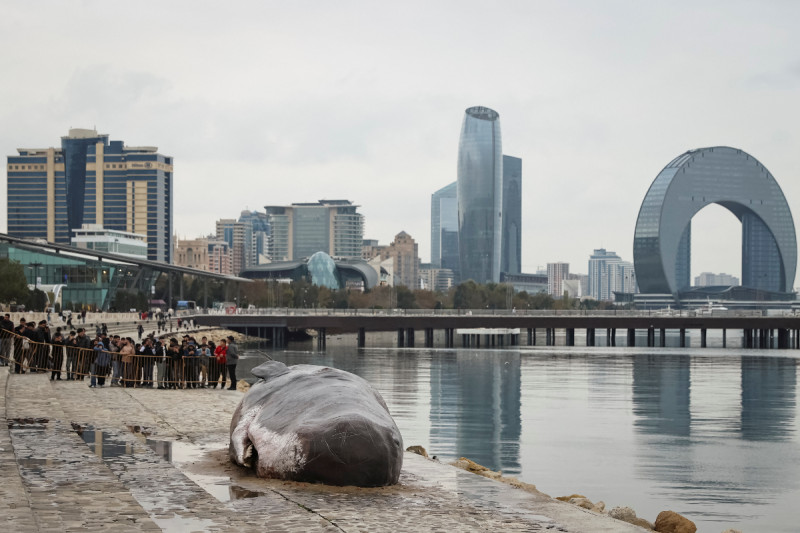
column 316, row 424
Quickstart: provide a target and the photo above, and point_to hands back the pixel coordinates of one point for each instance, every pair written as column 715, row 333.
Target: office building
column 90, row 180
column 444, row 228
column 738, row 182
column 480, row 195
column 235, row 234
column 435, row 279
column 404, row 252
column 257, row 237
column 302, row 229
column 511, row 246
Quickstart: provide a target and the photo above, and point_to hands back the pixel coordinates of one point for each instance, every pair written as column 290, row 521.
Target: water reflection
column 707, row 432
column 661, row 394
column 475, row 407
column 768, row 398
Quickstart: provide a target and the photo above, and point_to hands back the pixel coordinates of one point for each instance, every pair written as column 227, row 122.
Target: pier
column 482, row 328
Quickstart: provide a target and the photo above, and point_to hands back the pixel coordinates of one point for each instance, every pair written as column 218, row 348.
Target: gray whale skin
column 316, row 424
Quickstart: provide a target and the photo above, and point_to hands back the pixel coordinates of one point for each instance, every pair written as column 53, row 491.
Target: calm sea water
column 709, row 433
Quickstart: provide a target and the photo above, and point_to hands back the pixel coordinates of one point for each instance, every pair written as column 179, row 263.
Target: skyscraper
column 91, row 180
column 511, row 258
column 480, row 195
column 444, row 228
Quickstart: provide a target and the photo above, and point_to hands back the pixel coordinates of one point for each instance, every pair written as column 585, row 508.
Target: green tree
column 14, row 287
column 405, row 298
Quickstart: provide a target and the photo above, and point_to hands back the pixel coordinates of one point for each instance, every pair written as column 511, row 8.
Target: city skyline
column 364, row 102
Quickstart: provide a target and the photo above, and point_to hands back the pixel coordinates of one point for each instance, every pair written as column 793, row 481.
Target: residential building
column 94, row 237
column 300, row 230
column 556, row 274
column 480, row 195
column 90, row 180
column 599, row 286
column 207, row 253
column 405, row 253
column 235, row 234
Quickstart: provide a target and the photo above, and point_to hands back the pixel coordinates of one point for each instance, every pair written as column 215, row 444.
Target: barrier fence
column 132, row 370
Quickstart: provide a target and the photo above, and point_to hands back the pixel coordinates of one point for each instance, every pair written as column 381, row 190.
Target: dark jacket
column 233, row 353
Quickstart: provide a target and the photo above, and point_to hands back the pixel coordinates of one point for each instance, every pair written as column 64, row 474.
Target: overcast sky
column 279, row 102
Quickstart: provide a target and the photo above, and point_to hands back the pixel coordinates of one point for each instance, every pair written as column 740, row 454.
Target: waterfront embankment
column 126, row 459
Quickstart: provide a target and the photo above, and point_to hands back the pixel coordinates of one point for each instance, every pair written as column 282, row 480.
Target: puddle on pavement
column 180, row 523
column 180, row 453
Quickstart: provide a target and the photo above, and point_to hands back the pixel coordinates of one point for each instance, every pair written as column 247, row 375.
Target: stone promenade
column 74, row 458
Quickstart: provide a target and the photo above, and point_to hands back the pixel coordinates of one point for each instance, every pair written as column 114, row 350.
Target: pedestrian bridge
column 757, row 330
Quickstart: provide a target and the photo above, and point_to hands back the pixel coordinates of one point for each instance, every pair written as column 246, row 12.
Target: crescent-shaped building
column 735, row 180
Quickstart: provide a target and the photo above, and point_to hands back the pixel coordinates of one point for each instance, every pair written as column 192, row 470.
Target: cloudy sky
column 278, row 102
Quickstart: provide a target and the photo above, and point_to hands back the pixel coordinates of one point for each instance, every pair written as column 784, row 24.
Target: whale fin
column 269, row 370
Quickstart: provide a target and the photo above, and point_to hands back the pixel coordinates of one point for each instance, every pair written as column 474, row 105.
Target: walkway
column 112, row 459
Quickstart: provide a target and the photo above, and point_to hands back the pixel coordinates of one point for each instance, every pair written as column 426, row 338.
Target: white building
column 95, row 237
column 709, row 279
column 608, row 274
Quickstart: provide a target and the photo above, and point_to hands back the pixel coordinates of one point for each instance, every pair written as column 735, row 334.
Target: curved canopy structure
column 735, row 180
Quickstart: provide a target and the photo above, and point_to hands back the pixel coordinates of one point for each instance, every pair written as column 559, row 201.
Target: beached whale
column 316, row 424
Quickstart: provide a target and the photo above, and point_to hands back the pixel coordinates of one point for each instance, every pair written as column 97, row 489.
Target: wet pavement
column 121, row 459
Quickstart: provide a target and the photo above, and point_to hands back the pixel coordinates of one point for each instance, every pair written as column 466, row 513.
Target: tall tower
column 480, row 195
column 444, row 228
column 511, row 261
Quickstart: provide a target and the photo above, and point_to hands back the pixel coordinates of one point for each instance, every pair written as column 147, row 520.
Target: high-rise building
column 556, row 274
column 511, row 258
column 480, row 195
column 257, row 237
column 405, row 253
column 444, row 228
column 234, row 233
column 300, row 230
column 599, row 287
column 91, row 180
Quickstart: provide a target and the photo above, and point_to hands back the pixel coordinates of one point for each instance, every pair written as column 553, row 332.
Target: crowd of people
column 154, row 362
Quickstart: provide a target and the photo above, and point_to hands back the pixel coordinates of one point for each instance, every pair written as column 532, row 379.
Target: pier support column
column 550, row 341
column 662, row 334
column 631, row 337
column 589, row 336
column 683, row 338
column 703, row 332
column 651, row 337
column 613, row 336
column 570, row 336
column 401, row 337
column 362, row 337
column 321, row 340
column 724, row 337
column 410, row 337
column 429, row 337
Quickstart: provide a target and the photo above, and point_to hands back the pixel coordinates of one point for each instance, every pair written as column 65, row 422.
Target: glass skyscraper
column 444, row 228
column 511, row 260
column 480, row 195
column 91, row 180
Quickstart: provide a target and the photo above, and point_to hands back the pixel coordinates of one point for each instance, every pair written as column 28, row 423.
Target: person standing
column 7, row 339
column 126, row 353
column 146, row 355
column 85, row 354
column 233, row 359
column 19, row 346
column 58, row 356
column 219, row 368
column 42, row 350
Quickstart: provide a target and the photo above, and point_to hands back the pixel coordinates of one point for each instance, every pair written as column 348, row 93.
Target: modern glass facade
column 511, row 258
column 91, row 180
column 735, row 180
column 480, row 195
column 444, row 228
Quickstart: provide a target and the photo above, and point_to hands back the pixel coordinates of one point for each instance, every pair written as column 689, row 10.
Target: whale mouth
column 250, row 456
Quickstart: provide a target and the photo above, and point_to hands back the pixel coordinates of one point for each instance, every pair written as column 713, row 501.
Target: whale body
column 316, row 424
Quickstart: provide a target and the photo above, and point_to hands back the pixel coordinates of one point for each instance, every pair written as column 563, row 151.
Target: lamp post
column 35, row 274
